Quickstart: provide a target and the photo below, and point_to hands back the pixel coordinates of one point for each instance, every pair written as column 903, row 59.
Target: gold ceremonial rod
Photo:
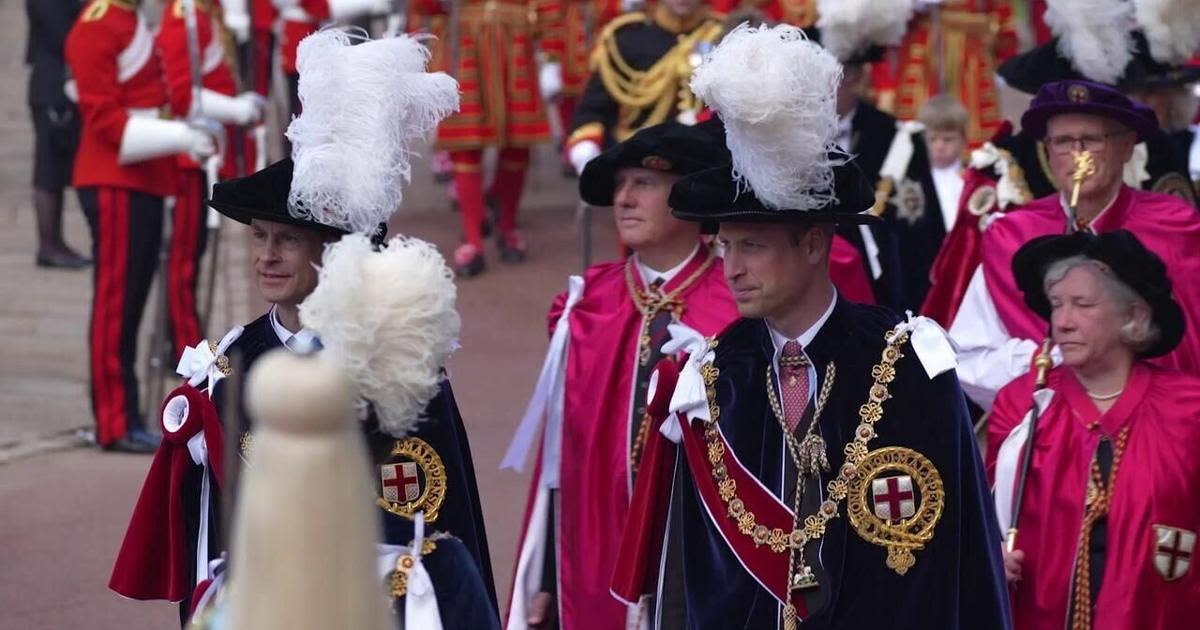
column 1085, row 166
column 1043, row 363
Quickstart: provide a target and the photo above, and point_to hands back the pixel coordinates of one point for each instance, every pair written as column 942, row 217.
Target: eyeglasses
column 1064, row 144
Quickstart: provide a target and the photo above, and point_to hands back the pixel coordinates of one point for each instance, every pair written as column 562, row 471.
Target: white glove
column 71, row 90
column 550, row 79
column 237, row 20
column 348, row 9
column 582, row 153
column 243, row 110
column 149, row 138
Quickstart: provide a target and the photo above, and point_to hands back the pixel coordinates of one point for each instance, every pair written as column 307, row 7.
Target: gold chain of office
column 855, row 451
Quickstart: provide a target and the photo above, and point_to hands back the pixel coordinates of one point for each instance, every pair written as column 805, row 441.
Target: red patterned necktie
column 793, row 380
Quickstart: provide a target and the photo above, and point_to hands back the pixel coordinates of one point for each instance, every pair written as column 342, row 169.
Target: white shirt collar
column 948, row 184
column 1066, row 208
column 650, row 275
column 303, row 341
column 805, row 337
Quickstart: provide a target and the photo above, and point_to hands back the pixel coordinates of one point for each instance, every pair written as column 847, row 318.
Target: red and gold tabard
column 802, row 13
column 111, row 54
column 967, row 42
column 489, row 48
column 581, row 22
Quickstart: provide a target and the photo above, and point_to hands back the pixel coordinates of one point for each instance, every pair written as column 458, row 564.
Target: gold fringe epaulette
column 647, row 97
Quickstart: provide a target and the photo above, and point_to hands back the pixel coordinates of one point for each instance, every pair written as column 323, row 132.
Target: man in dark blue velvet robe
column 428, row 470
column 816, row 466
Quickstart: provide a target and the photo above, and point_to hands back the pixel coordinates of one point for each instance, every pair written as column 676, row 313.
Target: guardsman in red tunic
column 125, row 166
column 493, row 59
column 218, row 101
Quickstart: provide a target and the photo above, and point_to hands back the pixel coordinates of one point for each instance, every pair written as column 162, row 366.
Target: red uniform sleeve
column 173, row 48
column 91, row 53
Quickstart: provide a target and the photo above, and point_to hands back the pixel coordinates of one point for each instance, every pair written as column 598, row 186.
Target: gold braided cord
column 657, row 88
column 648, row 304
column 1099, row 500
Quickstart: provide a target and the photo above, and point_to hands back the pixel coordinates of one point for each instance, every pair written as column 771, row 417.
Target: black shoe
column 127, row 444
column 63, row 260
column 468, row 261
column 512, row 247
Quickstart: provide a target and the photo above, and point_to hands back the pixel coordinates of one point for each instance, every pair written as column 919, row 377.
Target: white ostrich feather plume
column 1094, row 35
column 776, row 93
column 388, row 318
column 364, row 106
column 848, row 26
column 1172, row 28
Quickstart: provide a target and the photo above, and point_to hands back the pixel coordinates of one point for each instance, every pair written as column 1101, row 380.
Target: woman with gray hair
column 1110, row 509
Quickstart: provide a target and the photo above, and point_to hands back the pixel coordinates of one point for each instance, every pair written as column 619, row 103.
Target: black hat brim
column 712, row 197
column 1133, row 264
column 669, row 147
column 263, row 195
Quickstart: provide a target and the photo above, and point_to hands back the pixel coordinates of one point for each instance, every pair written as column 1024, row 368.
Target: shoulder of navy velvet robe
column 957, row 580
column 460, row 513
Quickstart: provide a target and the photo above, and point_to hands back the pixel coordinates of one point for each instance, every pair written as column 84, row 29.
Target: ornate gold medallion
column 904, row 507
column 413, row 479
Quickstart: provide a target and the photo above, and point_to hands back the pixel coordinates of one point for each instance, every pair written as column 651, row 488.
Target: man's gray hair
column 1137, row 334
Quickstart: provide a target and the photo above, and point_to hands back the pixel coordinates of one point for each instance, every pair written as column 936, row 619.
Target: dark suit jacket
column 49, row 23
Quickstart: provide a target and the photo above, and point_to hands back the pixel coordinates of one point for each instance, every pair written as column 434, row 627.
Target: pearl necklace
column 1104, row 397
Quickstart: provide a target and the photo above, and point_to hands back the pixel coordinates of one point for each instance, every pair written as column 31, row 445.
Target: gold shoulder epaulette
column 620, row 22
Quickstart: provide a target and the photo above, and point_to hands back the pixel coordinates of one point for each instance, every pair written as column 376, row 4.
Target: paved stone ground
column 64, row 506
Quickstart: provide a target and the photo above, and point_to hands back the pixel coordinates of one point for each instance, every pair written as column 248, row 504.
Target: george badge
column 910, row 201
column 1173, row 548
column 413, row 479
column 903, row 509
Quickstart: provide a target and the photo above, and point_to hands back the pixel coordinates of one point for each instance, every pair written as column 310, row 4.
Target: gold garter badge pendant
column 906, row 497
column 413, row 479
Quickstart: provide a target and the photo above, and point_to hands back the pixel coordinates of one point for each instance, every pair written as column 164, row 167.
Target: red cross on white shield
column 1173, row 549
column 893, row 497
column 401, row 477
